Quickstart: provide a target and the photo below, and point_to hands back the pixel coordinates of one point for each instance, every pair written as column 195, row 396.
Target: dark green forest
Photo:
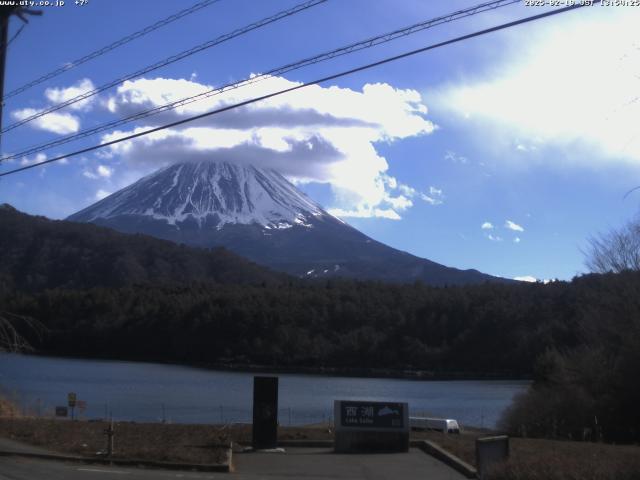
column 487, row 330
column 579, row 341
column 37, row 253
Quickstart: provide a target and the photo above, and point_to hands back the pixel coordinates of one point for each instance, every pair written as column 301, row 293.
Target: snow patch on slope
column 210, row 192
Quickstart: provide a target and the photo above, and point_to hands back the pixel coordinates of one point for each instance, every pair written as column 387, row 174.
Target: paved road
column 22, row 468
column 323, row 464
column 16, row 468
column 315, row 463
column 7, row 445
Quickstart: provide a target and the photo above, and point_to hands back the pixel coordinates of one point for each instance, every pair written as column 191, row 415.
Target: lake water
column 151, row 392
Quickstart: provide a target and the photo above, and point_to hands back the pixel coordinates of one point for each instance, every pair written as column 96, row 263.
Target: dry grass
column 562, row 460
column 158, row 442
column 8, row 409
column 531, row 459
column 537, row 459
column 241, row 434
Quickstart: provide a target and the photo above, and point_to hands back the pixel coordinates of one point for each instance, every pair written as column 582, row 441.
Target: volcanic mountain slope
column 260, row 215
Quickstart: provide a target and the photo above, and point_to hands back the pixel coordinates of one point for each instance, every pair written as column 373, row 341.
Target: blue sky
column 503, row 153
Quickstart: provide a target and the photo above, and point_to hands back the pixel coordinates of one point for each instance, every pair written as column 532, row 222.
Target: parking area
column 323, row 463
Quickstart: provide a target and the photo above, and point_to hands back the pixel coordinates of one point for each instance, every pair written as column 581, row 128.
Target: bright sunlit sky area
column 502, row 153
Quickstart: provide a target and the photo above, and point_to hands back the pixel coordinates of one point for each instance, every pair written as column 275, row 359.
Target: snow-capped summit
column 209, row 193
column 260, row 215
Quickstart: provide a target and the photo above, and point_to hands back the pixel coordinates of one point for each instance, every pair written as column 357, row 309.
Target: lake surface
column 151, row 392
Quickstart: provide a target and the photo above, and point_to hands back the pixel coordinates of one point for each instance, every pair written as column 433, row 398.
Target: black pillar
column 265, row 412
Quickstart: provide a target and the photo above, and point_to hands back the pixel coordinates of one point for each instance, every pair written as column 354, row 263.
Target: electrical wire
column 354, row 47
column 15, row 35
column 308, row 84
column 112, row 46
column 167, row 61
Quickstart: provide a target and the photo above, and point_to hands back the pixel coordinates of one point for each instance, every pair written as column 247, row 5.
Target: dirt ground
column 202, row 444
column 148, row 441
column 206, row 444
column 7, row 409
column 541, row 459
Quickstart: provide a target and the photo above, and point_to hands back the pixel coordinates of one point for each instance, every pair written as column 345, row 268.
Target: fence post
column 110, row 433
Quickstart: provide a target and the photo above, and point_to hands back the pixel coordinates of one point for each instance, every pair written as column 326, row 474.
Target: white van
column 444, row 425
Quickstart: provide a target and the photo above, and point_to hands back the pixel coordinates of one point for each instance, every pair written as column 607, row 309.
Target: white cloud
column 101, row 171
column 317, row 134
column 404, row 200
column 532, row 279
column 487, row 226
column 60, row 95
column 517, row 240
column 61, row 123
column 100, row 194
column 531, row 147
column 548, row 91
column 400, row 202
column 366, row 213
column 526, row 278
column 104, row 171
column 513, row 226
column 434, row 197
column 494, row 238
column 39, row 158
column 455, row 158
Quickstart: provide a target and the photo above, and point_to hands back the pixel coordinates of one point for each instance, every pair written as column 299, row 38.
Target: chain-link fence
column 163, row 413
column 160, row 412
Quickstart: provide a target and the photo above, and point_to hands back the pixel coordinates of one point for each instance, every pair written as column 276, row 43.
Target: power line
column 111, row 46
column 16, row 35
column 308, row 84
column 354, row 47
column 167, row 61
column 630, row 192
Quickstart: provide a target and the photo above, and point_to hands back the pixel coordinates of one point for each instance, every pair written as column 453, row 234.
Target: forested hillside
column 37, row 253
column 103, row 294
column 489, row 329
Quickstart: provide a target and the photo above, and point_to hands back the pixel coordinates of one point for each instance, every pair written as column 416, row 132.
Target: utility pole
column 5, row 13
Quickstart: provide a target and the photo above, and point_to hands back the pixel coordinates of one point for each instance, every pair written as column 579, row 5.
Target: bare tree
column 615, row 251
column 11, row 338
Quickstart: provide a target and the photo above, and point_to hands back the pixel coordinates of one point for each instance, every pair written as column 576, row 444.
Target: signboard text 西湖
column 372, row 414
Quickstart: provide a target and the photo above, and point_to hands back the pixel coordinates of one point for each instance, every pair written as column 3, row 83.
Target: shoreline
column 342, row 372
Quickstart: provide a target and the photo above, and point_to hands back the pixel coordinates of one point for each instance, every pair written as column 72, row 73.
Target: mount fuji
column 258, row 214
